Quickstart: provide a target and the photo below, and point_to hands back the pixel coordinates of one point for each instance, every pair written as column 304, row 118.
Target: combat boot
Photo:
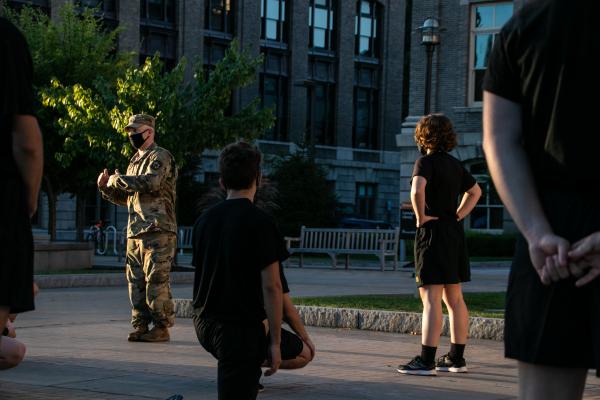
column 137, row 333
column 156, row 334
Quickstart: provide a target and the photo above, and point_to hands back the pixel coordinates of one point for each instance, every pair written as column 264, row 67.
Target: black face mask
column 137, row 140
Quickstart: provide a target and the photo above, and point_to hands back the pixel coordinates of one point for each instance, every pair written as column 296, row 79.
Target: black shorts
column 291, row 345
column 441, row 253
column 556, row 325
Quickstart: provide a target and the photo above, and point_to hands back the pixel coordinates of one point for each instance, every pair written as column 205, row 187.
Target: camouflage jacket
column 148, row 192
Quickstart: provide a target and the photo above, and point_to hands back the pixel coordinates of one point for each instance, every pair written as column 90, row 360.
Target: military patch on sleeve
column 156, row 165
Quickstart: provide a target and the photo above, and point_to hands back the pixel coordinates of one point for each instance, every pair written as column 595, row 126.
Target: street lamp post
column 430, row 37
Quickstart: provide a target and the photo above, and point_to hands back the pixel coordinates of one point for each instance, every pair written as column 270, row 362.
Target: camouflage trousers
column 149, row 259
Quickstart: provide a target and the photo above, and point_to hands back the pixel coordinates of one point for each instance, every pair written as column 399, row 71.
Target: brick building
column 468, row 28
column 333, row 74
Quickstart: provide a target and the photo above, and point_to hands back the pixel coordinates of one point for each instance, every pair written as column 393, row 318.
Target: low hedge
column 482, row 245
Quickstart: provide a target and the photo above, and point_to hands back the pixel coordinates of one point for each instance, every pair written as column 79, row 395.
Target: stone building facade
column 344, row 76
column 467, row 33
column 333, row 73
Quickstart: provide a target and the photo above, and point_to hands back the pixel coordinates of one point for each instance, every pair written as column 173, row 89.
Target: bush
column 481, row 245
column 304, row 197
column 486, row 245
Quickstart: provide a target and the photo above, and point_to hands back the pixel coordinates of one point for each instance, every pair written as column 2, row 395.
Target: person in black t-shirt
column 541, row 143
column 21, row 152
column 441, row 261
column 237, row 255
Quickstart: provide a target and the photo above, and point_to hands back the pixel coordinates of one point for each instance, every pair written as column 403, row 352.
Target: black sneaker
column 417, row 366
column 447, row 364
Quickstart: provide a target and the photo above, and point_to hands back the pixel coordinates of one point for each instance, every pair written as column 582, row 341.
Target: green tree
column 304, row 197
column 76, row 49
column 88, row 116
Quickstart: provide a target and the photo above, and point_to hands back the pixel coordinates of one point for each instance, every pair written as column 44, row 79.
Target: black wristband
column 5, row 331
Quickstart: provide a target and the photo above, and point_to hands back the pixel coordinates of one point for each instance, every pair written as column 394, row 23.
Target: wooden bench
column 378, row 242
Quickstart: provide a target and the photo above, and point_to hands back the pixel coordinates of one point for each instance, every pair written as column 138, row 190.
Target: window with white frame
column 488, row 214
column 320, row 22
column 273, row 21
column 486, row 21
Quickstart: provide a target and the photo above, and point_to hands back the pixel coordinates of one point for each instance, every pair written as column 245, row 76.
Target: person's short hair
column 239, row 165
column 435, row 132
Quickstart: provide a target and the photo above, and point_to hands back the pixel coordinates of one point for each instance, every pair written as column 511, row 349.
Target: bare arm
column 468, row 202
column 510, row 171
column 417, row 198
column 28, row 151
column 272, row 294
column 291, row 316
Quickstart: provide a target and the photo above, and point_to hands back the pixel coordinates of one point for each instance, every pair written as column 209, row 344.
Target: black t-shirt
column 232, row 243
column 16, row 91
column 545, row 58
column 447, row 179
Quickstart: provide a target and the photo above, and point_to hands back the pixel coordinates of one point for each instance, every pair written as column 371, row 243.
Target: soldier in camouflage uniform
column 148, row 192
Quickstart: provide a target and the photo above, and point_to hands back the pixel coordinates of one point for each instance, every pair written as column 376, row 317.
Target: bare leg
column 457, row 312
column 538, row 382
column 431, row 296
column 299, row 362
column 11, row 350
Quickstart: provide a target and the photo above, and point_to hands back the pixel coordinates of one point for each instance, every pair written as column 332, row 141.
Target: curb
column 374, row 320
column 99, row 280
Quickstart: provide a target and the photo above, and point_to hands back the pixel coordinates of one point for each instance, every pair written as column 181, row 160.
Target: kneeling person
column 297, row 349
column 236, row 252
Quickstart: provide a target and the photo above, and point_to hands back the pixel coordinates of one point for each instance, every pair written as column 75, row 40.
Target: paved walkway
column 77, row 350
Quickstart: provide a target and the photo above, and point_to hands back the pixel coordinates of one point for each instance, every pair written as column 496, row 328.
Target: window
column 158, row 12
column 366, row 29
column 218, row 16
column 488, row 214
column 366, row 102
column 96, row 208
column 158, row 31
column 273, row 27
column 159, row 40
column 486, row 22
column 320, row 21
column 43, row 5
column 320, row 106
column 273, row 91
column 107, row 7
column 365, row 200
column 214, row 51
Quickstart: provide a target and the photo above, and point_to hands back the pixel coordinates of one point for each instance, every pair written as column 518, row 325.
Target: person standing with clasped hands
column 541, row 143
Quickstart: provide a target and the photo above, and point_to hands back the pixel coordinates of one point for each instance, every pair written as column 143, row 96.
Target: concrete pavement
column 77, row 349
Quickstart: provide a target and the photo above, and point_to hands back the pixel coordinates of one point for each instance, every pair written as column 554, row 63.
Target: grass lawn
column 479, row 304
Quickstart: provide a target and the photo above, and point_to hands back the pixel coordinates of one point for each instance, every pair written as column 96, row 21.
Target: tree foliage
column 304, row 196
column 87, row 90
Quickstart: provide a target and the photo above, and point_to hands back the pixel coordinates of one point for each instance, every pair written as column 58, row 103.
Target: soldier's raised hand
column 103, row 178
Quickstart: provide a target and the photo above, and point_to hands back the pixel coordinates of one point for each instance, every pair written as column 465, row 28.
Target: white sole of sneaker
column 420, row 373
column 451, row 369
